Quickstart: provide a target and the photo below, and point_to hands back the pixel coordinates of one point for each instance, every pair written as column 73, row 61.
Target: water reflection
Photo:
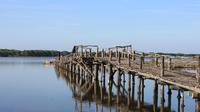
column 126, row 92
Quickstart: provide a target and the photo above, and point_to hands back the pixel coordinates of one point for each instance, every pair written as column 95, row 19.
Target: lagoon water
column 26, row 85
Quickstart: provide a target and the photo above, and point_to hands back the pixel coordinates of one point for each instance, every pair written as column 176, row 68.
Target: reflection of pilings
column 96, row 72
column 197, row 105
column 155, row 96
column 179, row 100
column 133, row 90
column 169, row 98
column 143, row 91
column 81, row 106
column 110, row 69
column 118, row 85
column 139, row 93
column 102, row 71
column 162, row 96
column 129, row 90
column 182, row 101
column 124, row 84
column 110, row 93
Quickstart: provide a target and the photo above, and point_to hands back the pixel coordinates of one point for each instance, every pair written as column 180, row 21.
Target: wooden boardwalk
column 123, row 59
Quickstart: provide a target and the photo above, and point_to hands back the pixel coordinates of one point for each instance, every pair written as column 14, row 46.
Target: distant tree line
column 30, row 53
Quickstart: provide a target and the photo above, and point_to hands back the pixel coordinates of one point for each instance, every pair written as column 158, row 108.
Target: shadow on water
column 126, row 92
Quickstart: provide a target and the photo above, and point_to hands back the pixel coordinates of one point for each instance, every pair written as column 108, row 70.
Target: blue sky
column 149, row 25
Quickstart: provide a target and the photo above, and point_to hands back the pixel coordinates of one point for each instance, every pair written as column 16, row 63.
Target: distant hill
column 30, row 53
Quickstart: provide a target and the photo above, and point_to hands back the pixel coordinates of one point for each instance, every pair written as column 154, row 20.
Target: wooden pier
column 124, row 58
column 90, row 64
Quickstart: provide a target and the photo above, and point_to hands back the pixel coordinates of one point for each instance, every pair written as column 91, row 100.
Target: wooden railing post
column 102, row 53
column 90, row 52
column 110, row 55
column 81, row 51
column 143, row 55
column 170, row 64
column 119, row 57
column 156, row 61
column 141, row 62
column 97, row 52
column 129, row 60
column 162, row 65
column 133, row 56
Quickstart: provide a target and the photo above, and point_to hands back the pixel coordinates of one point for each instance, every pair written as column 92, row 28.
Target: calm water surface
column 26, row 85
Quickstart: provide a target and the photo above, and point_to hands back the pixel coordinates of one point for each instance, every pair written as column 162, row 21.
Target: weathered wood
column 119, row 57
column 162, row 66
column 110, row 55
column 162, row 96
column 170, row 64
column 141, row 62
column 129, row 60
column 155, row 96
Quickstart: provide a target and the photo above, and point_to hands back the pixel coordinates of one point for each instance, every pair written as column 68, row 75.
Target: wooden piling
column 118, row 86
column 97, row 72
column 162, row 96
column 119, row 57
column 139, row 94
column 162, row 66
column 141, row 62
column 97, row 52
column 102, row 53
column 129, row 90
column 133, row 56
column 133, row 90
column 155, row 96
column 110, row 55
column 129, row 60
column 170, row 64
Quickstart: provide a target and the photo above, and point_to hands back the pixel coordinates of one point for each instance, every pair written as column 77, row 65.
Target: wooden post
column 155, row 96
column 86, row 53
column 170, row 64
column 118, row 86
column 110, row 55
column 133, row 56
column 97, row 72
column 129, row 90
column 141, row 62
column 162, row 96
column 119, row 57
column 156, row 61
column 59, row 54
column 143, row 55
column 90, row 52
column 162, row 66
column 139, row 94
column 197, row 104
column 129, row 60
column 133, row 90
column 102, row 53
column 97, row 52
column 110, row 73
column 81, row 51
column 143, row 86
